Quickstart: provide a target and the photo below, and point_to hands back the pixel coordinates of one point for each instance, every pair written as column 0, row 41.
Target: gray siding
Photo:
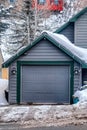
column 69, row 32
column 12, row 84
column 77, row 77
column 45, row 51
column 81, row 31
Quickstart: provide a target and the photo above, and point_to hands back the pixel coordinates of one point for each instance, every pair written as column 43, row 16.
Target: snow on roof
column 79, row 52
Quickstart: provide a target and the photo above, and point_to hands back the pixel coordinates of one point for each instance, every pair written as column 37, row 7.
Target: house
column 76, row 31
column 52, row 5
column 47, row 71
column 51, row 69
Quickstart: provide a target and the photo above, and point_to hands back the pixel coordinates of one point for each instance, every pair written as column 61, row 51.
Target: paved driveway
column 17, row 127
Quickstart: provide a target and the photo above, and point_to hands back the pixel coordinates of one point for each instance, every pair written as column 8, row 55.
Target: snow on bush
column 3, row 87
column 81, row 95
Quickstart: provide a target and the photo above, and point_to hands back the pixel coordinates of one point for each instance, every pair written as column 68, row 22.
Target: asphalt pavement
column 18, row 127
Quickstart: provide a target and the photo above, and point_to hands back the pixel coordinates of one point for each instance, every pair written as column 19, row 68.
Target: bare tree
column 12, row 30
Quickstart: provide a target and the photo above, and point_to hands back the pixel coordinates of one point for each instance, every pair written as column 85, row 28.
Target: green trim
column 21, row 63
column 73, row 19
column 44, row 62
column 18, row 82
column 84, row 65
column 71, row 83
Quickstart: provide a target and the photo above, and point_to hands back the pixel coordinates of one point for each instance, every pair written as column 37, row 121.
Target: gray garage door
column 45, row 84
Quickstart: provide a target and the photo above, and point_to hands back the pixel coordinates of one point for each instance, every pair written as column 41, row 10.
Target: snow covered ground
column 43, row 115
column 3, row 87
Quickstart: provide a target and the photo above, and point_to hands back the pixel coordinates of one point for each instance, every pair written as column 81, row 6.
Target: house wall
column 81, row 31
column 69, row 32
column 12, row 83
column 84, row 76
column 43, row 51
column 4, row 74
column 77, row 77
column 76, row 31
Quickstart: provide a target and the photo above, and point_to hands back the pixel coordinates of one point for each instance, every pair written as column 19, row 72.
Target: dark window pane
column 12, row 1
column 41, row 1
column 56, row 2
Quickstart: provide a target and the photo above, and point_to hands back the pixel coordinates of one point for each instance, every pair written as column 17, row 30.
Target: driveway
column 18, row 127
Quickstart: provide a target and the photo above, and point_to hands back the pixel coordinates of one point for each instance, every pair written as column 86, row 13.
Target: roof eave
column 66, row 51
column 16, row 56
column 84, row 66
column 48, row 37
column 73, row 19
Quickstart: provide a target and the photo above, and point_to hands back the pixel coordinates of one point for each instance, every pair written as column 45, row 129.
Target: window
column 56, row 2
column 51, row 1
column 42, row 2
column 12, row 1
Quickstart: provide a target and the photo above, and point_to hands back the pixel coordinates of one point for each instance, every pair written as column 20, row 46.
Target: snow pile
column 41, row 112
column 76, row 51
column 14, row 113
column 3, row 87
column 81, row 95
column 45, row 115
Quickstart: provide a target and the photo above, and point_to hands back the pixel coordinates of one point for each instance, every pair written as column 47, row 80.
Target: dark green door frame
column 21, row 63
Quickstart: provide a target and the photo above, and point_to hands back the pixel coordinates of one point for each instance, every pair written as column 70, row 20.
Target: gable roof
column 59, row 41
column 73, row 19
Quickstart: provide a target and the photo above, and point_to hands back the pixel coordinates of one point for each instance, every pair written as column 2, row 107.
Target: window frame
column 56, row 2
column 41, row 2
column 12, row 1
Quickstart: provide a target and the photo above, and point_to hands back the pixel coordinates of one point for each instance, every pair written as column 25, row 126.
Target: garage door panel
column 44, row 98
column 45, row 84
column 43, row 87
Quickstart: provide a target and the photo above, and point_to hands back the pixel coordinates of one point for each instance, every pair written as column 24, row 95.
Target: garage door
column 45, row 84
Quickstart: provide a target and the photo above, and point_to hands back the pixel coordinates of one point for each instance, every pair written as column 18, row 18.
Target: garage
column 45, row 84
column 45, row 72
